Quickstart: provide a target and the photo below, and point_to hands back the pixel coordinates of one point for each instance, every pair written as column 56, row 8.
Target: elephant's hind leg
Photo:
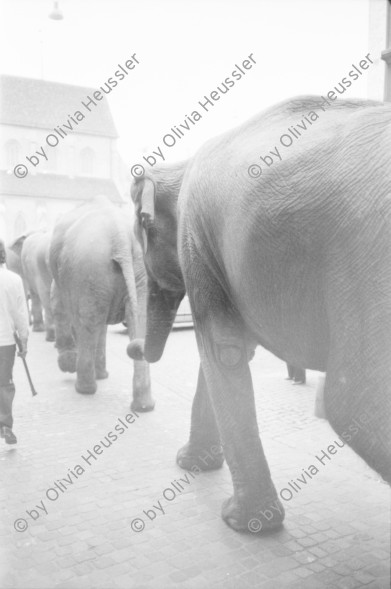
column 87, row 342
column 203, row 449
column 65, row 342
column 36, row 311
column 225, row 352
column 49, row 323
column 100, row 356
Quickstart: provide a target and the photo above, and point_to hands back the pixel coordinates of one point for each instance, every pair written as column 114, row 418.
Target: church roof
column 57, row 186
column 29, row 102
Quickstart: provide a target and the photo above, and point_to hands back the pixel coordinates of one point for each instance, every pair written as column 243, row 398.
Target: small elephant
column 297, row 260
column 36, row 270
column 99, row 280
column 14, row 263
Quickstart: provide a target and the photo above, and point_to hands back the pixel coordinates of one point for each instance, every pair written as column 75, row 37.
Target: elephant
column 28, row 257
column 99, row 280
column 36, row 270
column 13, row 260
column 14, row 264
column 297, row 259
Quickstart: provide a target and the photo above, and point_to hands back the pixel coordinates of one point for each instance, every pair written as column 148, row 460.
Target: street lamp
column 56, row 13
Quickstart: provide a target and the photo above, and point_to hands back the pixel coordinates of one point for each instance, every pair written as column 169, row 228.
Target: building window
column 87, row 157
column 20, row 225
column 42, row 217
column 12, row 153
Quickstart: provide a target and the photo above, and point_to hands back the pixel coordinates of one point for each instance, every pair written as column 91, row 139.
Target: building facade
column 69, row 159
column 379, row 77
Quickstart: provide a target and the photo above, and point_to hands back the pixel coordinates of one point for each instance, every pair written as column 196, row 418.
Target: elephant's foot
column 101, row 373
column 245, row 517
column 142, row 403
column 50, row 335
column 298, row 382
column 209, row 457
column 85, row 388
column 38, row 327
column 67, row 361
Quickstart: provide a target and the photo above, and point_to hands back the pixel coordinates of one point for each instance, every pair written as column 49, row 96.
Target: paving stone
column 294, row 546
column 281, row 550
column 306, row 542
column 178, row 576
column 304, row 572
column 249, row 563
column 83, row 569
column 271, row 584
column 378, row 569
column 363, row 577
column 104, row 549
column 316, row 567
column 317, row 551
column 342, row 569
column 319, row 537
column 304, row 558
column 104, row 562
column 348, row 583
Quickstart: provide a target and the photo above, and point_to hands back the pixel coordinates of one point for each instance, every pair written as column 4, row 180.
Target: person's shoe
column 7, row 433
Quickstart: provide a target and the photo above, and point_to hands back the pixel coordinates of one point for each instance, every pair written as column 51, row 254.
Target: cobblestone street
column 336, row 531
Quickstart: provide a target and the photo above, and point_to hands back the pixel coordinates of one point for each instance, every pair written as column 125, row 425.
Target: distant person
column 13, row 318
column 296, row 374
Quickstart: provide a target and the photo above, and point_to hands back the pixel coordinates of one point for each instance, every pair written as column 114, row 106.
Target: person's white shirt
column 13, row 309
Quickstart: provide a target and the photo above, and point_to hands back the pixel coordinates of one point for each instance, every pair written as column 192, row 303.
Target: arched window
column 87, row 160
column 43, row 222
column 20, row 225
column 12, row 154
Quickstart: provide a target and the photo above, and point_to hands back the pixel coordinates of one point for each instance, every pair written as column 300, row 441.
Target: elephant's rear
column 86, row 272
column 358, row 382
column 327, row 203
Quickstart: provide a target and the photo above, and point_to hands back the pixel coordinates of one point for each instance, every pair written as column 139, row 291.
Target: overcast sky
column 186, row 48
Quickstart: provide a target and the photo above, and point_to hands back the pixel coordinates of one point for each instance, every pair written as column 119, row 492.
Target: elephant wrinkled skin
column 99, row 280
column 297, row 260
column 31, row 263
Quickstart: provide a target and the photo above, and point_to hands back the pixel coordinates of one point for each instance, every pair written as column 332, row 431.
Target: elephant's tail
column 123, row 257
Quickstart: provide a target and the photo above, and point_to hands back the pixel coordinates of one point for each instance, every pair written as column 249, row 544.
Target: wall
column 379, row 22
column 64, row 158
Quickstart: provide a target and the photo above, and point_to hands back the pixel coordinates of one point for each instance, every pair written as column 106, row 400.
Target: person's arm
column 20, row 318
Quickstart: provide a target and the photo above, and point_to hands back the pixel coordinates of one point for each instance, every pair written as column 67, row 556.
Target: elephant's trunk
column 161, row 310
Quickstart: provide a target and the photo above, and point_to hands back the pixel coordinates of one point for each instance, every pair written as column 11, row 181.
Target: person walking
column 296, row 374
column 13, row 319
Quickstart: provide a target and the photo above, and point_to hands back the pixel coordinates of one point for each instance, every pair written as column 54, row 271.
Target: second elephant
column 99, row 280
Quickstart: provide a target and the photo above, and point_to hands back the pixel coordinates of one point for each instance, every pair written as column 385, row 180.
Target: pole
column 19, row 345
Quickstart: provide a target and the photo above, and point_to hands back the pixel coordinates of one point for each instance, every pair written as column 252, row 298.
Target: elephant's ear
column 147, row 209
column 144, row 197
column 17, row 244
